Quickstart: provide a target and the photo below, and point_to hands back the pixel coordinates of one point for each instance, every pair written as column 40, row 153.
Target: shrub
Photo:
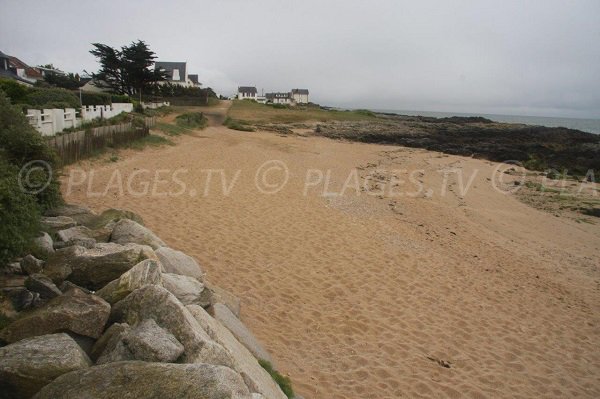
column 191, row 120
column 19, row 214
column 43, row 97
column 20, row 143
column 237, row 125
column 15, row 91
column 284, row 382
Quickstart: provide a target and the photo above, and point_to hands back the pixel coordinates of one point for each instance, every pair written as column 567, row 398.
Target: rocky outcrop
column 148, row 344
column 147, row 272
column 128, row 231
column 187, row 289
column 43, row 246
column 135, row 379
column 177, row 262
column 28, row 365
column 154, row 302
column 147, row 341
column 244, row 362
column 75, row 311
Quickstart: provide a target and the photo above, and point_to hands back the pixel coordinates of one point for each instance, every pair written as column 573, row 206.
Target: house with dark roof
column 280, row 98
column 194, row 79
column 247, row 93
column 300, row 96
column 15, row 69
column 176, row 73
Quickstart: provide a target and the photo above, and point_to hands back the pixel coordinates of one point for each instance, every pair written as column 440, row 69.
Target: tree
column 126, row 70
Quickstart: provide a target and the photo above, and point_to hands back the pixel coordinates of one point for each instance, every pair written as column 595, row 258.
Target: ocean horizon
column 585, row 125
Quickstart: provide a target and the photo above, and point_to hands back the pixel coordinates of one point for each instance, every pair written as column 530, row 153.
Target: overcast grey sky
column 505, row 56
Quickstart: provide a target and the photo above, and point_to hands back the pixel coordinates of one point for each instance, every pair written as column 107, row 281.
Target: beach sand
column 441, row 293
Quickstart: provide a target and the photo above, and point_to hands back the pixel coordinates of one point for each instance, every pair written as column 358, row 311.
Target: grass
column 237, row 125
column 191, row 120
column 253, row 112
column 171, row 130
column 284, row 382
column 151, row 140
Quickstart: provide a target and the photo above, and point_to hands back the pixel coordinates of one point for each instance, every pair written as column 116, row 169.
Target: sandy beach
column 372, row 271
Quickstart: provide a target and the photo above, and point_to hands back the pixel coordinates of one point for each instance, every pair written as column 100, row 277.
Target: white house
column 177, row 73
column 247, row 93
column 300, row 96
column 280, row 98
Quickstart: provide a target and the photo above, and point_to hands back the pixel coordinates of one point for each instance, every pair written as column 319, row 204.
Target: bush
column 19, row 214
column 237, row 125
column 284, row 382
column 44, row 97
column 20, row 143
column 191, row 120
column 15, row 91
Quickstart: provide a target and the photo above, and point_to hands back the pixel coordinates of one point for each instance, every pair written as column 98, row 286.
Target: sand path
column 376, row 295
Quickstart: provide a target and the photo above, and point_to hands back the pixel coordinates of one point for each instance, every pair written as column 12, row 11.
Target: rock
column 80, row 214
column 154, row 302
column 55, row 223
column 94, row 268
column 144, row 273
column 215, row 294
column 179, row 263
column 12, row 268
column 43, row 246
column 67, row 285
column 74, row 311
column 146, row 341
column 78, row 235
column 30, row 264
column 109, row 339
column 257, row 379
column 135, row 379
column 28, row 365
column 240, row 331
column 42, row 285
column 187, row 289
column 21, row 297
column 128, row 231
column 110, row 216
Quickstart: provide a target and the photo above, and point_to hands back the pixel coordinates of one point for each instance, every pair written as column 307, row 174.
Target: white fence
column 51, row 121
column 89, row 112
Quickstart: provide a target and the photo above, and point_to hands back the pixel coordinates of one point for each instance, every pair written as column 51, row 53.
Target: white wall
column 89, row 112
column 155, row 105
column 300, row 98
column 247, row 96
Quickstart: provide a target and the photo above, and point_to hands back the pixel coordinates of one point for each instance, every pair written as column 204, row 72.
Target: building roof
column 247, row 89
column 29, row 71
column 277, row 95
column 2, row 55
column 300, row 91
column 4, row 73
column 169, row 67
column 194, row 78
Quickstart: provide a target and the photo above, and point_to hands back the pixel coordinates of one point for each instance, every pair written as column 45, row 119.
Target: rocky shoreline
column 102, row 308
column 537, row 147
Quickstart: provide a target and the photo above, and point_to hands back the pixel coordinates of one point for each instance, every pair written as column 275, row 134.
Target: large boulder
column 30, row 264
column 128, row 231
column 43, row 246
column 177, row 262
column 78, row 235
column 20, row 297
column 111, row 216
column 135, row 379
column 94, row 268
column 42, row 285
column 55, row 223
column 75, row 311
column 146, row 272
column 147, row 341
column 109, row 339
column 28, row 365
column 187, row 289
column 240, row 331
column 214, row 294
column 154, row 302
column 256, row 378
column 80, row 214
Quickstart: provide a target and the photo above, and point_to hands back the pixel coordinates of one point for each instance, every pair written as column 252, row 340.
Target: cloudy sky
column 507, row 56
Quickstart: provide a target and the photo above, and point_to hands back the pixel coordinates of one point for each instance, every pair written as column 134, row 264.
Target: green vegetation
column 170, row 129
column 284, row 382
column 151, row 140
column 38, row 97
column 237, row 125
column 25, row 191
column 191, row 120
column 247, row 112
